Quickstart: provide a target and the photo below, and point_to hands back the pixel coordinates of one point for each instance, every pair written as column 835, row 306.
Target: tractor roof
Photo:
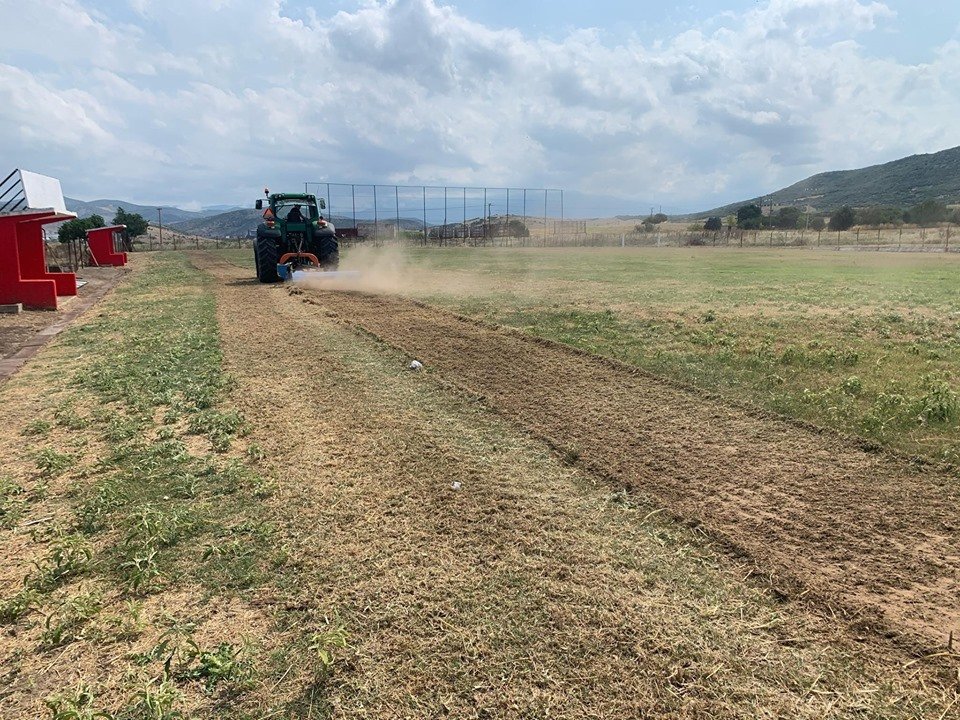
column 294, row 196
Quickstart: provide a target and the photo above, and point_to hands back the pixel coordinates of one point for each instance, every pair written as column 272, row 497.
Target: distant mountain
column 241, row 223
column 235, row 223
column 108, row 208
column 217, row 209
column 901, row 183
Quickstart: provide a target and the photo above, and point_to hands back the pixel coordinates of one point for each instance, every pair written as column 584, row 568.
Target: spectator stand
column 24, row 277
column 106, row 246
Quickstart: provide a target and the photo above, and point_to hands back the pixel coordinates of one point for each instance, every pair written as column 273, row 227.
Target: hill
column 901, row 183
column 235, row 223
column 108, row 208
column 241, row 223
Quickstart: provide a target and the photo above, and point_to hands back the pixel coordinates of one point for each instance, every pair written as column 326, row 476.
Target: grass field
column 188, row 527
column 865, row 343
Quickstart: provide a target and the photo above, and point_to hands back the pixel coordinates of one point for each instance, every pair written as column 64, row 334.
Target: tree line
column 929, row 213
column 76, row 229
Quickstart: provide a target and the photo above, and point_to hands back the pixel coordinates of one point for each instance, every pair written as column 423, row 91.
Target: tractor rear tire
column 327, row 251
column 331, row 261
column 265, row 256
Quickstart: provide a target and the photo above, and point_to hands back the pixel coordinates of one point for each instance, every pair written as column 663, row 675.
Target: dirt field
column 806, row 507
column 871, row 533
column 868, row 344
column 495, row 537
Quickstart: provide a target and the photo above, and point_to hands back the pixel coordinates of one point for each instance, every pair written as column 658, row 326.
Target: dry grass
column 530, row 592
column 866, row 343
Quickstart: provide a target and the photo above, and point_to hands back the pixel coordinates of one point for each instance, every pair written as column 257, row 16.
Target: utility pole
column 160, row 221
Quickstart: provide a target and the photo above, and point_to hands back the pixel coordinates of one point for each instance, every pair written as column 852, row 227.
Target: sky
column 625, row 105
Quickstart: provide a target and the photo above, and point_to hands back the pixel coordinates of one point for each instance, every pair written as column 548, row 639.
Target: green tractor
column 293, row 234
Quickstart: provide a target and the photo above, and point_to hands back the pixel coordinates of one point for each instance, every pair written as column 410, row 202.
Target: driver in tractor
column 295, row 215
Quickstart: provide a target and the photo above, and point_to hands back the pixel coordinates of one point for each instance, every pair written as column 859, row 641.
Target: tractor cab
column 281, row 205
column 296, row 211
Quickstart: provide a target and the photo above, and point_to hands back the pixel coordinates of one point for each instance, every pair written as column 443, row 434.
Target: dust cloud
column 365, row 269
column 390, row 270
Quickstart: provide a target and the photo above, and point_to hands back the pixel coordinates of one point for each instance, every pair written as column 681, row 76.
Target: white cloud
column 186, row 101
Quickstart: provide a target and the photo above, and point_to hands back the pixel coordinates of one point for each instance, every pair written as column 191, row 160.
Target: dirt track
column 864, row 532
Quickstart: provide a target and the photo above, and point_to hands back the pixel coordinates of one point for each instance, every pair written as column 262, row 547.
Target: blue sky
column 623, row 104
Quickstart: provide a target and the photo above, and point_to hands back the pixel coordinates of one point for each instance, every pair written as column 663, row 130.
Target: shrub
column 842, row 219
column 750, row 217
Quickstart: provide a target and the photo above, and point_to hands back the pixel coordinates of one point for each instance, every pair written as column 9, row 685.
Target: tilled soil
column 866, row 532
column 539, row 589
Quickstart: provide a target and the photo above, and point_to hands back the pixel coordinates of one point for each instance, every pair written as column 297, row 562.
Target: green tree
column 817, row 224
column 136, row 225
column 749, row 217
column 656, row 219
column 516, row 228
column 713, row 224
column 928, row 213
column 788, row 218
column 877, row 216
column 843, row 219
column 76, row 229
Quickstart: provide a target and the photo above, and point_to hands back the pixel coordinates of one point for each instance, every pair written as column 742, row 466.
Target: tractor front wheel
column 265, row 256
